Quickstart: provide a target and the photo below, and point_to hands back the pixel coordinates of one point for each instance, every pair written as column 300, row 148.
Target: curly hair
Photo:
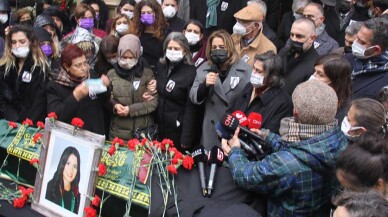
column 157, row 29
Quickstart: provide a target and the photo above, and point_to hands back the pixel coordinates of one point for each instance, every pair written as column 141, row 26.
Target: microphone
column 255, row 120
column 242, row 118
column 200, row 159
column 213, row 68
column 216, row 159
column 231, row 123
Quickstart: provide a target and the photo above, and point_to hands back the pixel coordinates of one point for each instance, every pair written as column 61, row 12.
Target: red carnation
column 101, row 169
column 132, row 144
column 25, row 191
column 175, row 161
column 52, row 115
column 90, row 212
column 167, row 143
column 77, row 122
column 117, row 140
column 172, row 169
column 188, row 162
column 12, row 125
column 40, row 124
column 28, row 122
column 19, row 202
column 96, row 201
column 34, row 162
column 144, row 141
column 112, row 150
column 37, row 137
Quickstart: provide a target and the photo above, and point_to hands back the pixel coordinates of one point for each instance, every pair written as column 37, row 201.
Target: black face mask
column 26, row 22
column 296, row 47
column 219, row 56
column 344, row 6
column 348, row 49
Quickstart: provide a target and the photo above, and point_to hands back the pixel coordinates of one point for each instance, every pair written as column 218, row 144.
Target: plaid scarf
column 292, row 131
column 372, row 65
column 63, row 78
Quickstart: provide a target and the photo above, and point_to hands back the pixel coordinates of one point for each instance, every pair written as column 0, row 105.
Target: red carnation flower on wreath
column 52, row 115
column 77, row 122
column 90, row 212
column 25, row 191
column 40, row 124
column 12, row 125
column 175, row 161
column 28, row 122
column 188, row 162
column 112, row 150
column 19, row 202
column 172, row 169
column 34, row 162
column 117, row 140
column 101, row 169
column 132, row 144
column 37, row 137
column 96, row 201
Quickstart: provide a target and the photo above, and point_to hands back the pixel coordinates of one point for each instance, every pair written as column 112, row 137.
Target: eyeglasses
column 79, row 65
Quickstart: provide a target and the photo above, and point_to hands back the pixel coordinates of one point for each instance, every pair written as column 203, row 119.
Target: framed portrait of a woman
column 67, row 173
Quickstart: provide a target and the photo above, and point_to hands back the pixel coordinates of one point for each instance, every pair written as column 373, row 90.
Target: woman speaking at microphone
column 264, row 94
column 218, row 83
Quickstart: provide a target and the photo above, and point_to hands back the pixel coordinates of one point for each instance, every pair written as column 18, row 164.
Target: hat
column 4, row 5
column 315, row 102
column 43, row 19
column 252, row 12
column 42, row 34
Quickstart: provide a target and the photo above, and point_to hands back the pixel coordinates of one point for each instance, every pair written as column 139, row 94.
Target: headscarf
column 129, row 42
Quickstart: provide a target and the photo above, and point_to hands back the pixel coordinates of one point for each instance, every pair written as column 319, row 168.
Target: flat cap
column 252, row 12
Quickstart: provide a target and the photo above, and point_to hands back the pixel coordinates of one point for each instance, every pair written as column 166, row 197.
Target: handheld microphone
column 200, row 159
column 255, row 120
column 242, row 118
column 231, row 123
column 213, row 68
column 216, row 159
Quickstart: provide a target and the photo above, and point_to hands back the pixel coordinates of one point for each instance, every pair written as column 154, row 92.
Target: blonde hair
column 38, row 57
column 113, row 28
column 233, row 56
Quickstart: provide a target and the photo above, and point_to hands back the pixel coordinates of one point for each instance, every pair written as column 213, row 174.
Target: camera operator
column 297, row 176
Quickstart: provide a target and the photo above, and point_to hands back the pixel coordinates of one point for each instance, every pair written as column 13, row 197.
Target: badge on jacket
column 26, row 77
column 170, row 85
column 234, row 81
column 199, row 61
column 224, row 6
column 245, row 58
column 316, row 45
column 136, row 84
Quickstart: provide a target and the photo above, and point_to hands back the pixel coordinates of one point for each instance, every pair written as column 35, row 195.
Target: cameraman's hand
column 234, row 141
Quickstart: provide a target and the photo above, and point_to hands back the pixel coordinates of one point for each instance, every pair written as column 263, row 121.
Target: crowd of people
column 316, row 70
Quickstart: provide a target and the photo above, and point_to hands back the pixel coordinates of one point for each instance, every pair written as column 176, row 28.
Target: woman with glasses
column 69, row 93
column 23, row 76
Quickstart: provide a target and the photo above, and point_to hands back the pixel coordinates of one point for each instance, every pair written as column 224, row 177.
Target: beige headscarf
column 129, row 42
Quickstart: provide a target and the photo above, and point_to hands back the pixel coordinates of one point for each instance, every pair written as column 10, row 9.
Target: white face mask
column 312, row 77
column 346, row 128
column 239, row 29
column 21, row 52
column 122, row 28
column 112, row 61
column 129, row 14
column 257, row 80
column 127, row 63
column 3, row 18
column 174, row 55
column 169, row 11
column 359, row 51
column 192, row 38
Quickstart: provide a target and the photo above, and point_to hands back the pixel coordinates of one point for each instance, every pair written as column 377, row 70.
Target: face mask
column 147, row 19
column 348, row 49
column 127, row 63
column 97, row 16
column 46, row 49
column 346, row 128
column 174, row 55
column 122, row 28
column 359, row 51
column 344, row 6
column 296, row 47
column 192, row 38
column 169, row 12
column 21, row 52
column 320, row 29
column 3, row 18
column 87, row 23
column 26, row 22
column 129, row 14
column 312, row 77
column 297, row 16
column 257, row 80
column 219, row 56
column 239, row 29
column 371, row 13
column 112, row 61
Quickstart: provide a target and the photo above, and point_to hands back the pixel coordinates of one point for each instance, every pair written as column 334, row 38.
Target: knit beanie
column 315, row 103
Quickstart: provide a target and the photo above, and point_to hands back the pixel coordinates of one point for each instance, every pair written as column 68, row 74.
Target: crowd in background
column 317, row 72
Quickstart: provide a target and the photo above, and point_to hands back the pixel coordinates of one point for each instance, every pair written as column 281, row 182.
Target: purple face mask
column 47, row 50
column 147, row 19
column 86, row 23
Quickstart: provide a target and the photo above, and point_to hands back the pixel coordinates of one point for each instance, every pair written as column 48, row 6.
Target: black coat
column 274, row 104
column 53, row 194
column 175, row 24
column 225, row 18
column 175, row 105
column 23, row 96
column 284, row 28
column 152, row 49
column 297, row 70
column 60, row 99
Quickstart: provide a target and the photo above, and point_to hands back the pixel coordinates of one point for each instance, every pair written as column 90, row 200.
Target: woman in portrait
column 62, row 189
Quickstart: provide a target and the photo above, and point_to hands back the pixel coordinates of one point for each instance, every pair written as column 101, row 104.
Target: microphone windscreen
column 241, row 117
column 229, row 122
column 199, row 155
column 216, row 156
column 223, row 132
column 255, row 120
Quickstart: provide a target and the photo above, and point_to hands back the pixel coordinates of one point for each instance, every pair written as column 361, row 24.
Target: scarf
column 128, row 74
column 64, row 79
column 211, row 17
column 292, row 131
column 372, row 65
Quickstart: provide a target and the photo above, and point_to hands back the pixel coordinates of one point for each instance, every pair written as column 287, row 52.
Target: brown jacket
column 260, row 45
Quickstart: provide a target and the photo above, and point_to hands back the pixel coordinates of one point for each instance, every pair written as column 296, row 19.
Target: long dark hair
column 58, row 176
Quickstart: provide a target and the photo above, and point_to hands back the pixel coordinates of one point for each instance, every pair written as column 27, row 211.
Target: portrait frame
column 67, row 173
